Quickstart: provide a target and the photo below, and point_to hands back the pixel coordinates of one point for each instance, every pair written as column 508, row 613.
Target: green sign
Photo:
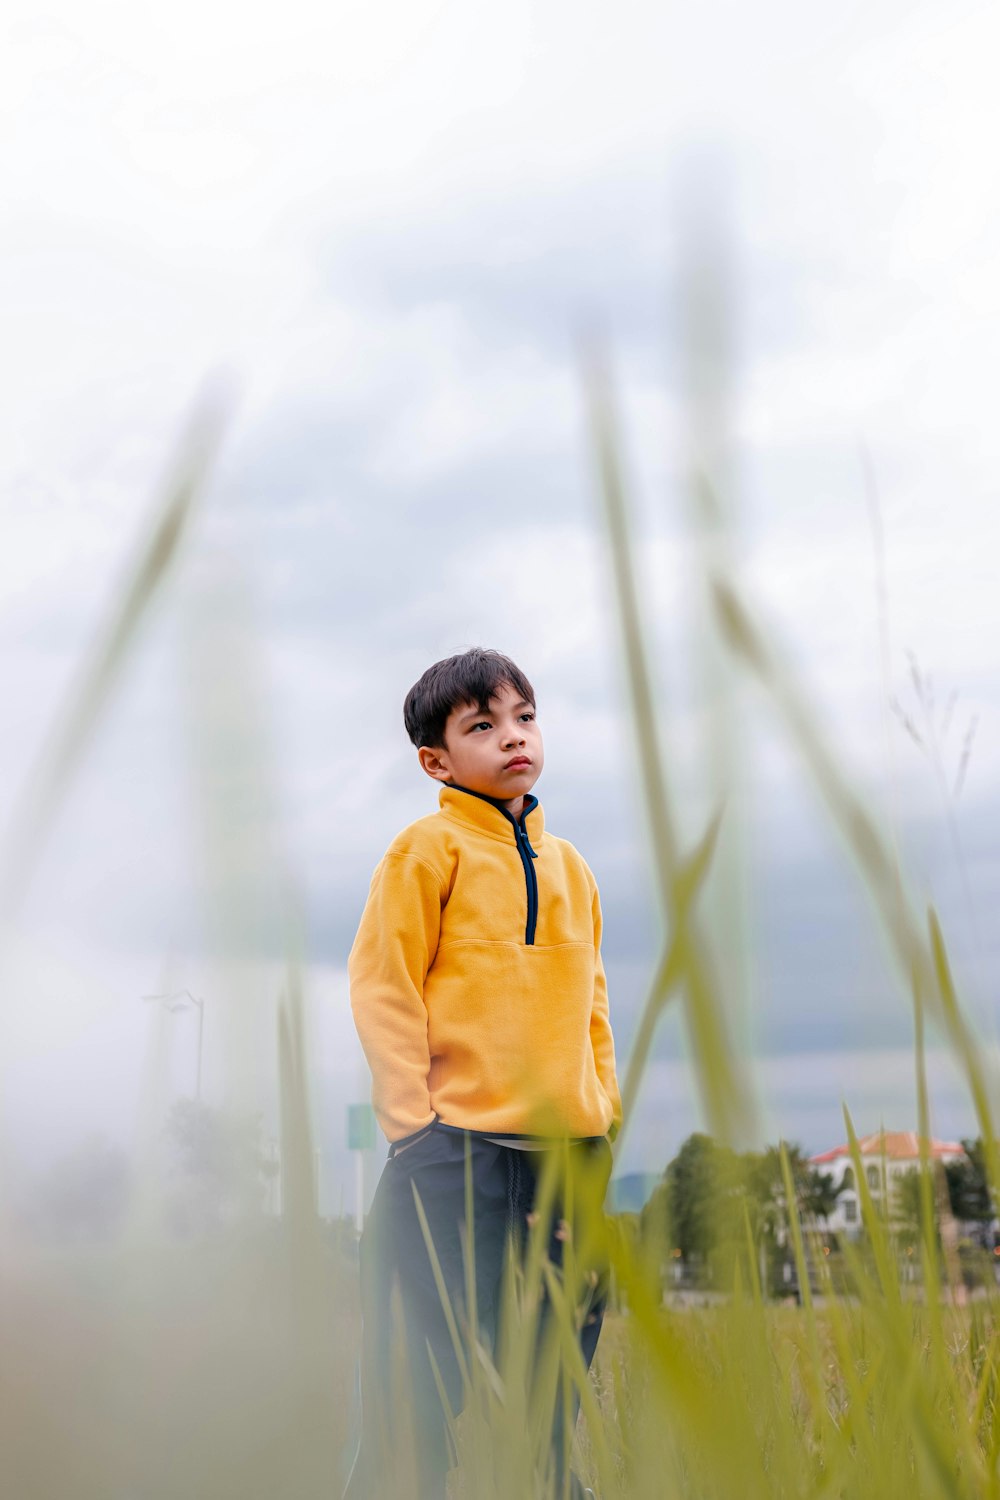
column 360, row 1127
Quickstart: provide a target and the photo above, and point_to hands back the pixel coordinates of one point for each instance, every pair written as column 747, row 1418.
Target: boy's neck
column 515, row 806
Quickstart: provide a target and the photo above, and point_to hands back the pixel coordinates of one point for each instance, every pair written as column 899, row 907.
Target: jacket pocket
column 411, row 1146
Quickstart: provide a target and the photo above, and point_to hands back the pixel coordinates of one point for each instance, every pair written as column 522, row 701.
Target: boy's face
column 498, row 753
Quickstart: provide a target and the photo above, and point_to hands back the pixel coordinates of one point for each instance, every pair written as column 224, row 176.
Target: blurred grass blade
column 747, row 640
column 576, row 1375
column 41, row 799
column 442, row 1290
column 930, row 1265
column 872, row 1219
column 661, row 823
column 921, row 963
column 685, row 885
column 965, row 1047
column 724, row 1088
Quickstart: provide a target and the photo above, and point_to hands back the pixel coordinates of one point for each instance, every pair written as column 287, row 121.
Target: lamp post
column 360, row 1138
column 181, row 1000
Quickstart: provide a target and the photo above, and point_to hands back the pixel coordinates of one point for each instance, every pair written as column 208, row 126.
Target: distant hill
column 629, row 1193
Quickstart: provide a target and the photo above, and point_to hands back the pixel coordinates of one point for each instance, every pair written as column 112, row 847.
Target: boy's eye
column 483, row 724
column 529, row 715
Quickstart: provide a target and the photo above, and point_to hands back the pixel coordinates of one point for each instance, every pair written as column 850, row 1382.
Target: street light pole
column 179, row 1000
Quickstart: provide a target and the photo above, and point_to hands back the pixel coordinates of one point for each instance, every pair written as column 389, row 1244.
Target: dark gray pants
column 506, row 1188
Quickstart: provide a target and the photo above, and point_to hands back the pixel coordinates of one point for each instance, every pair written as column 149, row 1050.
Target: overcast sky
column 390, row 223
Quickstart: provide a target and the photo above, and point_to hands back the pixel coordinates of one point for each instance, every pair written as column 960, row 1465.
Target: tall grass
column 224, row 1365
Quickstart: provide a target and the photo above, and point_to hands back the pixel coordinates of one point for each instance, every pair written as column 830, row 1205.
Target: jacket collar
column 486, row 815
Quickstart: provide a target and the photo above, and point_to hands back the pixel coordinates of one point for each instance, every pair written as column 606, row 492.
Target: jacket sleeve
column 601, row 1038
column 395, row 946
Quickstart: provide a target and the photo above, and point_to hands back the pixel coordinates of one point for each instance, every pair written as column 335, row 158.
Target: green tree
column 696, row 1207
column 767, row 1203
column 907, row 1207
column 815, row 1195
column 968, row 1185
column 709, row 1194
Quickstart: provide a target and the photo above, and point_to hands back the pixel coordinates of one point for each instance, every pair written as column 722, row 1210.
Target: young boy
column 479, row 996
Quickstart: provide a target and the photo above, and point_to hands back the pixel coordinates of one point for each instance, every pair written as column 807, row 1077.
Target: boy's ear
column 430, row 758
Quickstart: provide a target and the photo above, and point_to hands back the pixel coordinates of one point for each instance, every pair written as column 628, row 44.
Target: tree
column 220, row 1169
column 767, row 1203
column 818, row 1196
column 815, row 1195
column 709, row 1194
column 907, row 1207
column 694, row 1202
column 968, row 1185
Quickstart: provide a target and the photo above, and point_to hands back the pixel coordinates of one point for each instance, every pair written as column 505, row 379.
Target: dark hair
column 471, row 677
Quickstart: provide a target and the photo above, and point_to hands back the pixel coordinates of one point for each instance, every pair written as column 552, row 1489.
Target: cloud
column 803, row 1098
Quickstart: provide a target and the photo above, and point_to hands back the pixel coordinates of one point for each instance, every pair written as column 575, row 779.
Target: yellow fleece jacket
column 476, row 978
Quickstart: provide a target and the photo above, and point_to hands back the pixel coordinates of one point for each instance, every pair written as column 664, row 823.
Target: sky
column 389, row 228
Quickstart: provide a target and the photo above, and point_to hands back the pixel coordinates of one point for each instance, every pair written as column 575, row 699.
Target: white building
column 887, row 1156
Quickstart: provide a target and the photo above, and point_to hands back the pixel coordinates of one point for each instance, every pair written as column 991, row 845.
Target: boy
column 479, row 996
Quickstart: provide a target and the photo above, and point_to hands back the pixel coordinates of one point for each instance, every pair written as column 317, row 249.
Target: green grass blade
column 41, row 799
column 724, row 1086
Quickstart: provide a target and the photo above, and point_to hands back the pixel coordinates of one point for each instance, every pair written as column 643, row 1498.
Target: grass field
column 194, row 1371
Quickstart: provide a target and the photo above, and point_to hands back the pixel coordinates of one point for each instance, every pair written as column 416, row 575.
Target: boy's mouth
column 517, row 763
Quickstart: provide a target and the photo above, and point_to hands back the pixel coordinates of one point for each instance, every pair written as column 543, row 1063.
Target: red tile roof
column 896, row 1145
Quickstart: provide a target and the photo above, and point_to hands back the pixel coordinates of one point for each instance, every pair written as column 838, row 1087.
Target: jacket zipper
column 528, row 856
